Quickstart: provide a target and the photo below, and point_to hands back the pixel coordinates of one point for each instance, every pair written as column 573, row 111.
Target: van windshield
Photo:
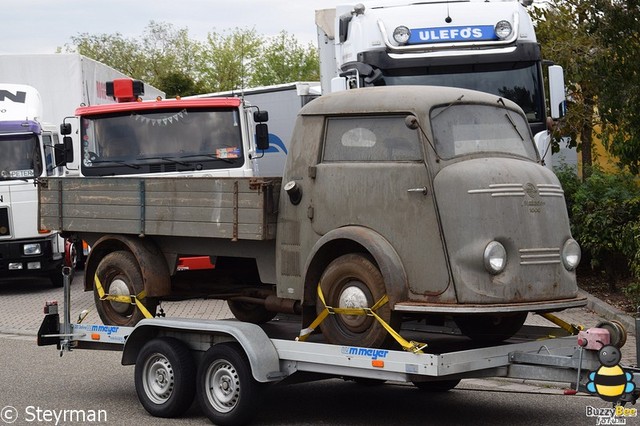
column 464, row 129
column 161, row 141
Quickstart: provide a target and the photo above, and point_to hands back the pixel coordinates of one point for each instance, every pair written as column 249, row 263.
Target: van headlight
column 571, row 254
column 495, row 257
column 401, row 35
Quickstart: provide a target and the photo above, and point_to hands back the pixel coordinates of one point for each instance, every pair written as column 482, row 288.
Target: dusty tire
column 437, row 386
column 352, row 280
column 165, row 377
column 119, row 274
column 226, row 390
column 490, row 328
column 250, row 312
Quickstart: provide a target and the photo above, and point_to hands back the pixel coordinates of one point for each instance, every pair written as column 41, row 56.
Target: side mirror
column 557, row 98
column 64, row 151
column 261, row 116
column 262, row 136
column 65, row 129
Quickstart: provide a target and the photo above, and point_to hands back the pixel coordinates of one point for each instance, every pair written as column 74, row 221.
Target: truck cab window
column 20, row 157
column 370, row 138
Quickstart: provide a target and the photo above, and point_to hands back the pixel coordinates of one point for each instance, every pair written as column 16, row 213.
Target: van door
column 372, row 174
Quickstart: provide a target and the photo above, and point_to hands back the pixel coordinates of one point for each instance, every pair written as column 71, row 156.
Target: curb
column 610, row 312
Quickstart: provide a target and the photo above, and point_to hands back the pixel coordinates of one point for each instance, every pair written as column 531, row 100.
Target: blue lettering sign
column 452, row 34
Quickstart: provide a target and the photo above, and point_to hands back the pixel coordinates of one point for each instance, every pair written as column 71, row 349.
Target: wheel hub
column 158, row 380
column 353, row 297
column 224, row 389
column 119, row 288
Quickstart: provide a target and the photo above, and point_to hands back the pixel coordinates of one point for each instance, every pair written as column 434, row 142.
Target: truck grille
column 539, row 256
column 4, row 222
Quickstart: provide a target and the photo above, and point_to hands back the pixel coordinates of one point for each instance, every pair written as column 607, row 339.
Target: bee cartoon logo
column 610, row 381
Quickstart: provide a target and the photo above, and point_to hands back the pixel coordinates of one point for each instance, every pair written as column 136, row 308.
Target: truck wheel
column 353, row 281
column 250, row 312
column 119, row 274
column 57, row 280
column 165, row 377
column 490, row 328
column 437, row 386
column 226, row 390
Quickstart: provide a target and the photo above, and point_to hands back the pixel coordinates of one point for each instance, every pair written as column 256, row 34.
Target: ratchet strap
column 410, row 346
column 131, row 300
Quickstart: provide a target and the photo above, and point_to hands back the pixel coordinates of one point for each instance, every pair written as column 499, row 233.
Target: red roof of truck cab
column 158, row 105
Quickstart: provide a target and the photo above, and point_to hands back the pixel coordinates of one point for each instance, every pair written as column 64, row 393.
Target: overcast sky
column 40, row 26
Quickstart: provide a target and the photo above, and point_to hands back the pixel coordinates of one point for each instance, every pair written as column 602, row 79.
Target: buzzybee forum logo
column 610, row 382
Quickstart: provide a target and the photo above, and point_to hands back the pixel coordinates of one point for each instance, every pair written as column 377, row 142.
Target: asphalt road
column 37, row 383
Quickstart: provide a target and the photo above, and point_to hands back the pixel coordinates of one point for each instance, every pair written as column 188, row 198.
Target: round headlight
column 495, row 257
column 571, row 254
column 401, row 35
column 503, row 29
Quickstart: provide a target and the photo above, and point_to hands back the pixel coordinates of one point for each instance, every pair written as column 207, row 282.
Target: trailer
column 226, row 364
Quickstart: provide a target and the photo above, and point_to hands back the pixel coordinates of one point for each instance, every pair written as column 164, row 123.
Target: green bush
column 605, row 220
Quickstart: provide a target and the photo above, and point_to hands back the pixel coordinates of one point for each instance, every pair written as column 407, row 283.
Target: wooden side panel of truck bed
column 232, row 208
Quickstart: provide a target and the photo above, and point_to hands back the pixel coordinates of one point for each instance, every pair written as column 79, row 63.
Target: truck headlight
column 31, row 249
column 571, row 254
column 503, row 29
column 495, row 257
column 401, row 35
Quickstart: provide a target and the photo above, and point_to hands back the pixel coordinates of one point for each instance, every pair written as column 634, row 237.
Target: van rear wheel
column 354, row 281
column 120, row 274
column 491, row 328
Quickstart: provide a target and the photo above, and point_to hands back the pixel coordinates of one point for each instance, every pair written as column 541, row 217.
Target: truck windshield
column 519, row 82
column 161, row 141
column 19, row 157
column 463, row 129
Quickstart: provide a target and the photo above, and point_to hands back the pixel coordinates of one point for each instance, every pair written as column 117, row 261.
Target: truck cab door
column 372, row 174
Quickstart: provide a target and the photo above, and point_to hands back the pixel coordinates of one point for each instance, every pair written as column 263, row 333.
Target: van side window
column 370, row 138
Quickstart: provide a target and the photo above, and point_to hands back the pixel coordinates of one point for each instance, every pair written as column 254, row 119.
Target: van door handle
column 423, row 190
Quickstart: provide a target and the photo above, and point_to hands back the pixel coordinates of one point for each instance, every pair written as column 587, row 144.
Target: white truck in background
column 488, row 46
column 36, row 90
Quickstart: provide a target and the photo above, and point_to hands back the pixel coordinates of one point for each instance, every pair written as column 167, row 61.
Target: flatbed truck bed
column 225, row 363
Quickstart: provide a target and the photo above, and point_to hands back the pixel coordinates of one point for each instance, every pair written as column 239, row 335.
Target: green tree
column 284, row 60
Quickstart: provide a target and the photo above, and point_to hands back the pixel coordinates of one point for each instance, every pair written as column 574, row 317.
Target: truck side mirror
column 557, row 98
column 261, row 116
column 262, row 136
column 64, row 151
column 65, row 129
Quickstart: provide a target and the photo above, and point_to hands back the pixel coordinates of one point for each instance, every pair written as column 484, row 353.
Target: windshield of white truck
column 518, row 82
column 161, row 141
column 465, row 129
column 19, row 157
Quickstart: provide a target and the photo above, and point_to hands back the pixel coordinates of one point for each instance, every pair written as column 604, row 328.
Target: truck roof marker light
column 401, row 34
column 503, row 30
column 125, row 89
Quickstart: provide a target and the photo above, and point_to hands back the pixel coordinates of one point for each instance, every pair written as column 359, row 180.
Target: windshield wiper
column 169, row 159
column 513, row 124
column 448, row 106
column 214, row 157
column 123, row 163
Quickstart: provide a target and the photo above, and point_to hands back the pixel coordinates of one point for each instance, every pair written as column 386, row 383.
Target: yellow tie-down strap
column 410, row 346
column 132, row 300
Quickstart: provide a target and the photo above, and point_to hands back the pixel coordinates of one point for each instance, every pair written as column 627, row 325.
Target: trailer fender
column 199, row 334
column 152, row 262
column 351, row 239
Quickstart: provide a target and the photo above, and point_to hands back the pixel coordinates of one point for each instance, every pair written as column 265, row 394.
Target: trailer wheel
column 437, row 386
column 165, row 377
column 226, row 390
column 490, row 328
column 120, row 275
column 353, row 281
column 250, row 312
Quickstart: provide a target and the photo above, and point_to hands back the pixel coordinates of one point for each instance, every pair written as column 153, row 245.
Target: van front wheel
column 354, row 281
